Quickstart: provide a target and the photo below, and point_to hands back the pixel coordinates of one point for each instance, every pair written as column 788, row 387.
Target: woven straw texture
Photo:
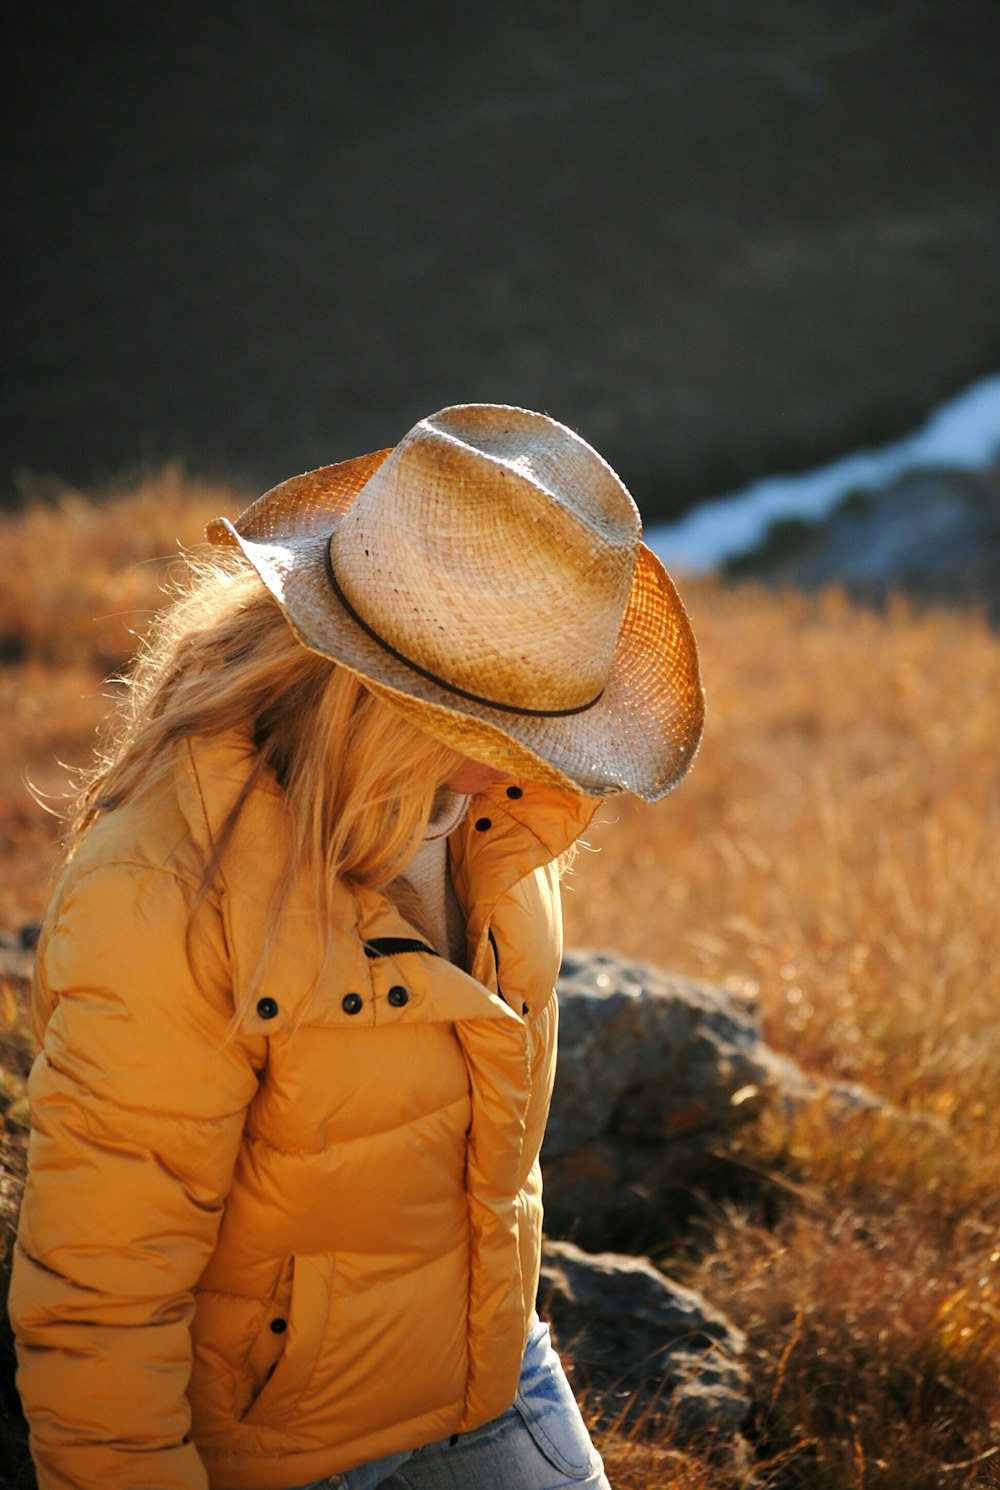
column 481, row 576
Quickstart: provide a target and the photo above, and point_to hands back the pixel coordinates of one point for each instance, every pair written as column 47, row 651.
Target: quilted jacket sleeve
column 138, row 1104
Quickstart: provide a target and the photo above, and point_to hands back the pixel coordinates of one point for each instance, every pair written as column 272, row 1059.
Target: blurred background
column 719, row 237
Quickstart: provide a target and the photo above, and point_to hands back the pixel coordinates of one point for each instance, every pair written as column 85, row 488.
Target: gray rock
column 656, row 1074
column 933, row 533
column 647, row 1346
column 647, row 1057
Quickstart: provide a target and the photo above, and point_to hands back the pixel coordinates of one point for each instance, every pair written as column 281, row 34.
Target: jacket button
column 352, row 1003
column 482, row 823
column 267, row 1008
column 398, row 996
column 515, row 792
column 279, row 1326
column 525, row 1009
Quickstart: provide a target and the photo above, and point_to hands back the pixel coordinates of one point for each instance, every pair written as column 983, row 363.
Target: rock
column 656, row 1074
column 788, row 1087
column 646, row 1056
column 934, row 534
column 648, row 1348
column 17, row 957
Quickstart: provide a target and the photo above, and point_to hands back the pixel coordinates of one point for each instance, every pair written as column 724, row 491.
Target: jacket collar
column 503, row 838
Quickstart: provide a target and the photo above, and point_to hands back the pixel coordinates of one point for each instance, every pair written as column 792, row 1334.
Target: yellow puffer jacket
column 252, row 1257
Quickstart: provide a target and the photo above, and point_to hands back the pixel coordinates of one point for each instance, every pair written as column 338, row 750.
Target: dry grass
column 81, row 579
column 833, row 858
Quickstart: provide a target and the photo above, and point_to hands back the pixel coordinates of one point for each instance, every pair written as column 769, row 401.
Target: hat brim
column 640, row 736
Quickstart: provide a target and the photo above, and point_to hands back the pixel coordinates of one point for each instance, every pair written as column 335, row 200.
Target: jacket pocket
column 300, row 1334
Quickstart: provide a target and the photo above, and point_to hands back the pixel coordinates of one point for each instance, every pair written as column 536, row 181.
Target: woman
column 294, row 991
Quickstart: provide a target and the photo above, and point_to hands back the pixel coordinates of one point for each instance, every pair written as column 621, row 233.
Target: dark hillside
column 718, row 238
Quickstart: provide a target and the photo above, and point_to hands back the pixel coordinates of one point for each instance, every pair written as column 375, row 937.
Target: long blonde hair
column 358, row 777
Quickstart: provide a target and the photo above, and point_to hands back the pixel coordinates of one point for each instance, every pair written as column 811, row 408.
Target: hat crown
column 494, row 549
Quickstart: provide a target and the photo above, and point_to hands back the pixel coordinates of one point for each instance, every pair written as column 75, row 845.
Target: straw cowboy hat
column 487, row 577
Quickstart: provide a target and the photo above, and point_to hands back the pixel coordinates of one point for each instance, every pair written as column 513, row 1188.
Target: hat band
column 473, row 698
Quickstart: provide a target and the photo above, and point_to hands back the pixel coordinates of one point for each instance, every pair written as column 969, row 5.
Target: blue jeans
column 540, row 1443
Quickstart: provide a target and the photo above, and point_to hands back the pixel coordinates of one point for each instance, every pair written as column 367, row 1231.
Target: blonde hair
column 359, row 778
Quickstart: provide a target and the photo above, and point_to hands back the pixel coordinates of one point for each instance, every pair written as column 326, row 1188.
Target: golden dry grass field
column 832, row 857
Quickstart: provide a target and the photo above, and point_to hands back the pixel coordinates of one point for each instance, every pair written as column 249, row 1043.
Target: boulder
column 656, row 1074
column 647, row 1349
column 645, row 1056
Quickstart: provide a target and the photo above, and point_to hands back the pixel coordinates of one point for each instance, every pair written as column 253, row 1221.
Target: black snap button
column 515, row 792
column 524, row 1008
column 352, row 1003
column 279, row 1326
column 267, row 1008
column 398, row 996
column 482, row 823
